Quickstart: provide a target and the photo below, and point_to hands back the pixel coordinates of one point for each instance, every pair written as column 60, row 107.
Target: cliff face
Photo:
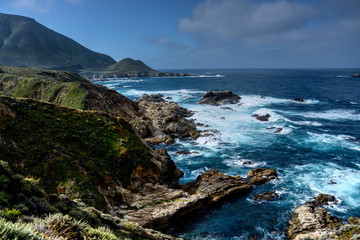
column 85, row 155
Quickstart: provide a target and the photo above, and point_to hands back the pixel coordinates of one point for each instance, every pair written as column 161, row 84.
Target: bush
column 11, row 214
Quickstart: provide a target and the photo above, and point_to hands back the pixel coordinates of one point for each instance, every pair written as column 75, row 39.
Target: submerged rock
column 309, row 221
column 263, row 118
column 298, row 100
column 266, row 196
column 219, row 98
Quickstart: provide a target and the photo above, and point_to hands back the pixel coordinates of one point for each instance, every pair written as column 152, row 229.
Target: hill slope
column 66, row 89
column 24, row 42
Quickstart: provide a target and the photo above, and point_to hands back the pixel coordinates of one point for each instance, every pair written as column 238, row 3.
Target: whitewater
column 314, row 145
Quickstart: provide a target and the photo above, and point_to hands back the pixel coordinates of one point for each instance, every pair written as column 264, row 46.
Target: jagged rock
column 261, row 175
column 263, row 118
column 210, row 188
column 298, row 100
column 160, row 139
column 166, row 119
column 266, row 196
column 218, row 98
column 152, row 98
column 185, row 152
column 354, row 220
column 309, row 221
column 321, row 200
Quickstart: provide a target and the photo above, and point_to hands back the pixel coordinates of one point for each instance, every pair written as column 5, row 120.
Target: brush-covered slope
column 86, row 155
column 49, row 216
column 66, row 89
column 25, row 42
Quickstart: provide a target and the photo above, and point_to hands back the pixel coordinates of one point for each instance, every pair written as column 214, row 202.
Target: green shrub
column 11, row 214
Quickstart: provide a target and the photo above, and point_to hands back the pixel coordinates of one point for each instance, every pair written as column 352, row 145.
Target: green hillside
column 64, row 88
column 24, row 42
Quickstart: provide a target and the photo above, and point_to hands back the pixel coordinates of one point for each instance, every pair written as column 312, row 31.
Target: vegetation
column 28, row 43
column 71, row 152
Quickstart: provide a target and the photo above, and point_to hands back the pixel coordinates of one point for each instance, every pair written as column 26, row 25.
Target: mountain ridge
column 25, row 42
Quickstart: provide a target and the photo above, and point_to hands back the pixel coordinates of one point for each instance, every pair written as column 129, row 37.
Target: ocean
column 317, row 150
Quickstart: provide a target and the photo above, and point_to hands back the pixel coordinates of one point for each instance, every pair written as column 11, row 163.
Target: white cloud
column 275, row 33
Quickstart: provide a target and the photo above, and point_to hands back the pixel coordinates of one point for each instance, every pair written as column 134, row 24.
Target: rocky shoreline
column 107, row 163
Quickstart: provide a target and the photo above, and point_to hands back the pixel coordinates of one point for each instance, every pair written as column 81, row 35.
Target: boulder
column 263, row 118
column 261, row 175
column 266, row 196
column 219, row 98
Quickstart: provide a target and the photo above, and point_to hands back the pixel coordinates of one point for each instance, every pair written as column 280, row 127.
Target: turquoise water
column 317, row 151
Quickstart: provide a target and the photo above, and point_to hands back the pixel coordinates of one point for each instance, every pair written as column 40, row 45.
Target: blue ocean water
column 317, row 151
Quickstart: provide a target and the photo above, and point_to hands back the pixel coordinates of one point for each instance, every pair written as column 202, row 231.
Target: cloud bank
column 276, row 33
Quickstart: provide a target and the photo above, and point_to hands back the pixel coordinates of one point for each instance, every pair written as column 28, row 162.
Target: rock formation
column 263, row 118
column 210, row 188
column 219, row 98
column 356, row 75
column 310, row 221
column 266, row 196
column 298, row 100
column 165, row 120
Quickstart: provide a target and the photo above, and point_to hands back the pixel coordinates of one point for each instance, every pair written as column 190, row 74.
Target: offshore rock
column 157, row 206
column 166, row 119
column 266, row 196
column 299, row 100
column 356, row 75
column 309, row 221
column 219, row 98
column 261, row 175
column 263, row 118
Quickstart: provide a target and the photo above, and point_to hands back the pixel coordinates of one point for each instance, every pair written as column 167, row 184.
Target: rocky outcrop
column 219, row 98
column 310, row 221
column 152, row 98
column 263, row 118
column 164, row 120
column 266, row 196
column 298, row 100
column 157, row 206
column 356, row 75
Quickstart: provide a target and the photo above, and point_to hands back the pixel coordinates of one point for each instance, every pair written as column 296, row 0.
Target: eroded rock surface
column 310, row 221
column 163, row 120
column 219, row 98
column 210, row 188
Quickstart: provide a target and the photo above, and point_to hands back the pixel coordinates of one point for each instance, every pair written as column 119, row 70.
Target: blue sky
column 170, row 34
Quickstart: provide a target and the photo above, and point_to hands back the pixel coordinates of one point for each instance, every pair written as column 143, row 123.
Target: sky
column 188, row 34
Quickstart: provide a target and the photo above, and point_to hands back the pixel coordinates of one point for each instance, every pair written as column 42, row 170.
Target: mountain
column 128, row 68
column 129, row 65
column 25, row 42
